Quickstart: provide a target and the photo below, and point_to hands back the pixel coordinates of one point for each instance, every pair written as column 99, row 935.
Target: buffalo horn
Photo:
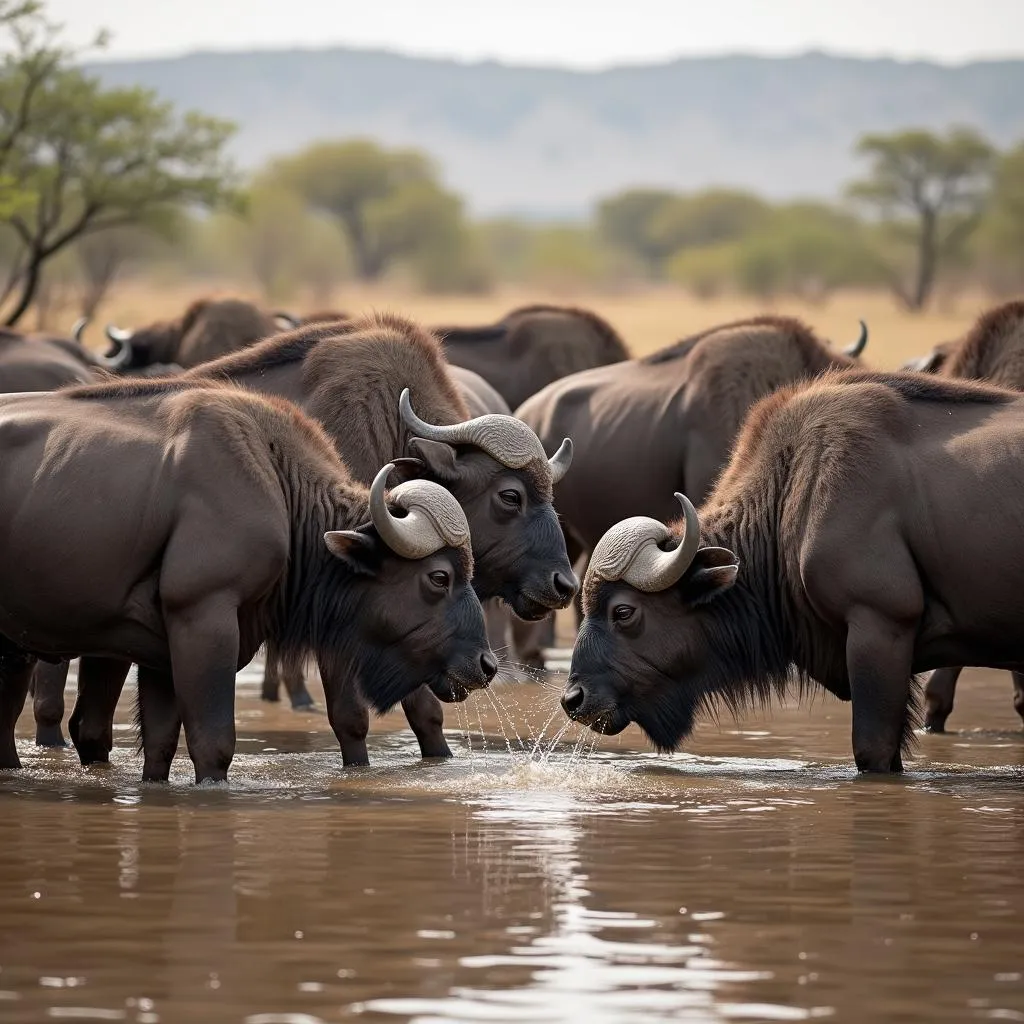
column 434, row 518
column 287, row 318
column 561, row 461
column 858, row 346
column 925, row 364
column 121, row 355
column 630, row 551
column 78, row 328
column 506, row 439
column 116, row 334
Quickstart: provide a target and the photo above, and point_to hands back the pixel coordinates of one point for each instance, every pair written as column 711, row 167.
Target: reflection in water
column 752, row 878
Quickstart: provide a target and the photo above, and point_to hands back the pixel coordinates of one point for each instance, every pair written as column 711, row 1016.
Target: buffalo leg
column 15, row 674
column 294, row 684
column 48, row 682
column 938, row 698
column 203, row 640
column 159, row 723
column 270, row 691
column 426, row 717
column 348, row 717
column 1018, row 693
column 100, row 682
column 878, row 660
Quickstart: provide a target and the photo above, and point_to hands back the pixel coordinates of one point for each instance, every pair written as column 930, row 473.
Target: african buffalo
column 532, row 346
column 992, row 351
column 354, row 381
column 856, row 537
column 645, row 428
column 45, row 362
column 217, row 521
column 208, row 329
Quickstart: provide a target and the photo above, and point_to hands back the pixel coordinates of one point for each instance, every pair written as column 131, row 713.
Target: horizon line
column 512, row 65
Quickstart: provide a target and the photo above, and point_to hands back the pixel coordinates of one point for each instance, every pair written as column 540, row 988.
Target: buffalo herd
column 748, row 509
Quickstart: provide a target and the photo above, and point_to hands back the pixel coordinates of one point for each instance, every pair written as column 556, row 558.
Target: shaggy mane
column 278, row 350
column 141, row 387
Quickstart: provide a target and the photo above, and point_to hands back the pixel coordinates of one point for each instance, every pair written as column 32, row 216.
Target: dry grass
column 647, row 319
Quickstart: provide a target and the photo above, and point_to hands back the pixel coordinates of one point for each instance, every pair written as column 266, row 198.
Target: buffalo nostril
column 572, row 700
column 565, row 586
column 488, row 665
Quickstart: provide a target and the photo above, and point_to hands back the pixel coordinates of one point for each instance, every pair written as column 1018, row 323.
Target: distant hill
column 545, row 141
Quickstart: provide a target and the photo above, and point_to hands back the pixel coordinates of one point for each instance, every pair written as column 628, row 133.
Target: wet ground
column 752, row 878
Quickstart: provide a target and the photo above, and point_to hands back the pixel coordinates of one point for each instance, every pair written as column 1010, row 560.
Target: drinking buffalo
column 992, row 351
column 351, row 381
column 531, row 347
column 667, row 422
column 216, row 521
column 209, row 328
column 480, row 399
column 856, row 537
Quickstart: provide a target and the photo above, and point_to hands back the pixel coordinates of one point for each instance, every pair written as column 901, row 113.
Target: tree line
column 98, row 182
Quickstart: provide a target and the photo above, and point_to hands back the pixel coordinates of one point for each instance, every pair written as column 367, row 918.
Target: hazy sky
column 581, row 33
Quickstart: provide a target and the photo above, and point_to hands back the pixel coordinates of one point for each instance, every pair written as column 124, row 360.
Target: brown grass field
column 646, row 319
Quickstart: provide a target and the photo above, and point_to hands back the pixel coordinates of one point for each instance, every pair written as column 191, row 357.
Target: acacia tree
column 1002, row 236
column 368, row 188
column 76, row 158
column 929, row 193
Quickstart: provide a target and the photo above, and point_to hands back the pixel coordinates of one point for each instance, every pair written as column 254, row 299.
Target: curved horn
column 116, row 334
column 78, row 328
column 561, row 461
column 858, row 346
column 506, row 439
column 434, row 520
column 630, row 551
column 287, row 318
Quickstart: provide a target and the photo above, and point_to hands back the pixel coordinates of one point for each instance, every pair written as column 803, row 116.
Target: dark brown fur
column 645, row 428
column 261, row 571
column 208, row 328
column 993, row 349
column 841, row 503
column 533, row 346
column 42, row 362
column 351, row 377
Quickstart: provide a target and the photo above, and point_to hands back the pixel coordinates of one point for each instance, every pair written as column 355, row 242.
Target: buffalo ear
column 712, row 572
column 356, row 549
column 438, row 456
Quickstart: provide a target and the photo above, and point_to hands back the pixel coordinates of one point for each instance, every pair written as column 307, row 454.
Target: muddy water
column 753, row 878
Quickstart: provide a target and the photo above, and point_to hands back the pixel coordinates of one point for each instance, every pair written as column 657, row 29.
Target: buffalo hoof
column 9, row 759
column 935, row 725
column 271, row 696
column 304, row 703
column 50, row 736
column 92, row 753
column 439, row 750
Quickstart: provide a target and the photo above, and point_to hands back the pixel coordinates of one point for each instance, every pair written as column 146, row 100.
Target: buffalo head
column 497, row 469
column 410, row 610
column 651, row 647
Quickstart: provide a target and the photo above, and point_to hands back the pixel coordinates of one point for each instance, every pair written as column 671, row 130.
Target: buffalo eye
column 440, row 579
column 623, row 612
column 513, row 499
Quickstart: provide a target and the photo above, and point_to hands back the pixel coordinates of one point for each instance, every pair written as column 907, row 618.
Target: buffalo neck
column 754, row 625
column 313, row 599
